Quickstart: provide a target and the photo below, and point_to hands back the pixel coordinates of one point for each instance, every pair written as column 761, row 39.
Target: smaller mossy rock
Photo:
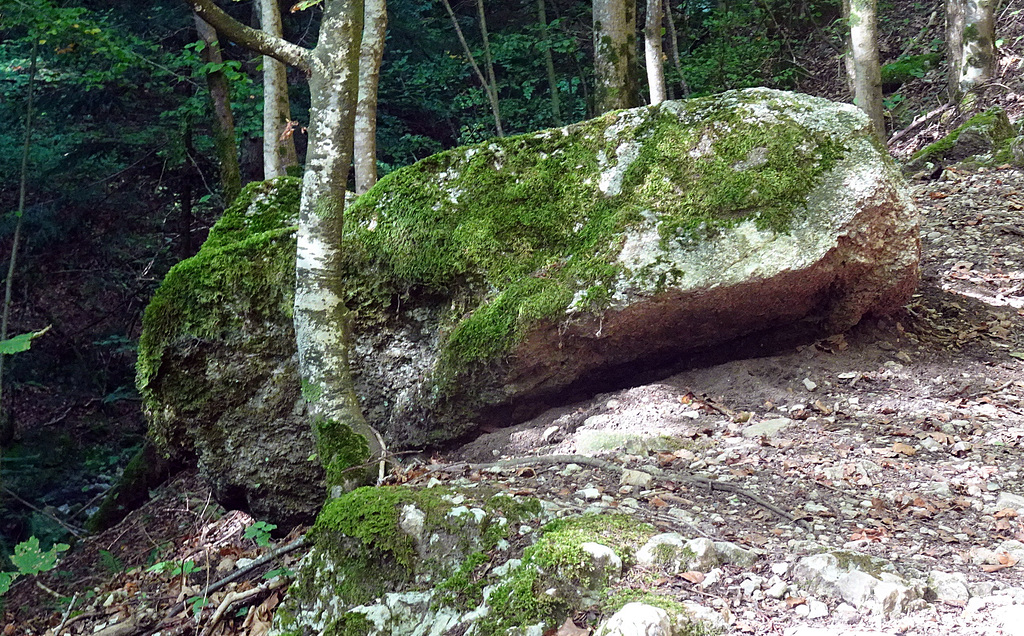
column 217, row 367
column 983, row 139
column 401, row 561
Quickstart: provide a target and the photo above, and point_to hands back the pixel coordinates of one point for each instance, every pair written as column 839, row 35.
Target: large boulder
column 217, row 366
column 489, row 280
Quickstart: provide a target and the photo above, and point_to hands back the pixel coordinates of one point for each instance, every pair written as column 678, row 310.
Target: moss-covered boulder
column 983, row 139
column 491, row 279
column 397, row 561
column 217, row 362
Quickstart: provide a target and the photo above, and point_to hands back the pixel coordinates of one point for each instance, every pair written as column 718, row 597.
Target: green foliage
column 907, row 68
column 260, row 533
column 30, row 559
column 175, row 568
column 19, row 343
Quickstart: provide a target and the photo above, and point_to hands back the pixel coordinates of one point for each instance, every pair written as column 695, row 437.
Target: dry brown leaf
column 904, row 449
column 657, row 502
column 793, row 601
column 1005, row 559
column 693, row 576
column 569, row 628
column 1007, row 513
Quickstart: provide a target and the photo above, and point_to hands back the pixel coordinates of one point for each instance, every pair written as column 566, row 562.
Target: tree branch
column 255, row 39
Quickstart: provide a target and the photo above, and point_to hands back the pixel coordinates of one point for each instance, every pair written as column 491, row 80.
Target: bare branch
column 255, row 39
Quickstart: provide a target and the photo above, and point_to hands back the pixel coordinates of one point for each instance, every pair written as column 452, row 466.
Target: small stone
column 548, row 433
column 637, row 618
column 777, row 589
column 816, row 609
column 636, row 478
column 590, row 494
column 766, row 428
column 809, row 384
column 1010, row 500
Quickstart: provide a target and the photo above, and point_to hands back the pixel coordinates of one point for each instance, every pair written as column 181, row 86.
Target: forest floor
column 903, row 438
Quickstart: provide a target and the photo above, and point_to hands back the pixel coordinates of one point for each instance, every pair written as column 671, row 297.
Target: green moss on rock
column 988, row 130
column 525, row 226
column 241, row 277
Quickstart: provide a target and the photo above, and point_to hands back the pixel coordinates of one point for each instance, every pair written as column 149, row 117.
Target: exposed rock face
column 217, row 362
column 492, row 278
column 987, row 138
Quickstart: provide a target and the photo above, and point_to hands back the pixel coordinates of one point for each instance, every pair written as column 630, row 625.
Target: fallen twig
column 234, row 576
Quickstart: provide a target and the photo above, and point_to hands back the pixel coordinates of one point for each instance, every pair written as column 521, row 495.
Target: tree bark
column 970, row 40
column 223, row 119
column 345, row 441
column 370, row 56
column 614, row 55
column 652, row 51
column 863, row 47
column 278, row 143
column 549, row 63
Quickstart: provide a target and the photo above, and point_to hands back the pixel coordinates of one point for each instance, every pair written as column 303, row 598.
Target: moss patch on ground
column 557, row 559
column 993, row 121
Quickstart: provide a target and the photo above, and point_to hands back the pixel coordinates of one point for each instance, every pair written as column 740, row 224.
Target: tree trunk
column 970, row 40
column 278, row 143
column 346, row 443
column 370, row 55
column 223, row 120
column 614, row 55
column 673, row 47
column 652, row 50
column 863, row 46
column 549, row 63
column 492, row 95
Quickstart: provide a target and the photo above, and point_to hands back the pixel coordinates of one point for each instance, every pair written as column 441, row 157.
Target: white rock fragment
column 637, row 619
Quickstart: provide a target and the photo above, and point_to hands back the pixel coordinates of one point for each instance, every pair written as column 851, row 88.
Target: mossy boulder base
column 489, row 279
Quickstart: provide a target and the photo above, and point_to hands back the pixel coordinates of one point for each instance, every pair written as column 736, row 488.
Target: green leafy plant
column 30, row 558
column 175, row 568
column 260, row 533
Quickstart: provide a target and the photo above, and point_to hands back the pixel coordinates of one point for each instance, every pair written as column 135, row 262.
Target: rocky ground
column 899, row 440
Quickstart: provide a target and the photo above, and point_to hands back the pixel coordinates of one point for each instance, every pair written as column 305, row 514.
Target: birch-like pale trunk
column 970, row 43
column 278, row 142
column 223, row 118
column 652, row 51
column 867, row 73
column 371, row 53
column 346, row 443
column 614, row 55
column 673, row 47
column 492, row 95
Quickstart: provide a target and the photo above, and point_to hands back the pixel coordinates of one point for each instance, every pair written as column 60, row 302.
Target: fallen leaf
column 693, row 576
column 657, row 502
column 793, row 601
column 1006, row 513
column 1005, row 560
column 569, row 628
column 904, row 449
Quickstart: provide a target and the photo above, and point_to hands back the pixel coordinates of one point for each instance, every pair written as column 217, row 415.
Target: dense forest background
column 123, row 179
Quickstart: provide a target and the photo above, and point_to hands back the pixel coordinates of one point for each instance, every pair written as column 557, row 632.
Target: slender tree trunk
column 223, row 120
column 323, row 325
column 6, row 413
column 492, row 83
column 614, row 55
column 863, row 45
column 652, row 50
column 549, row 63
column 370, row 56
column 492, row 96
column 970, row 40
column 673, row 47
column 278, row 142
